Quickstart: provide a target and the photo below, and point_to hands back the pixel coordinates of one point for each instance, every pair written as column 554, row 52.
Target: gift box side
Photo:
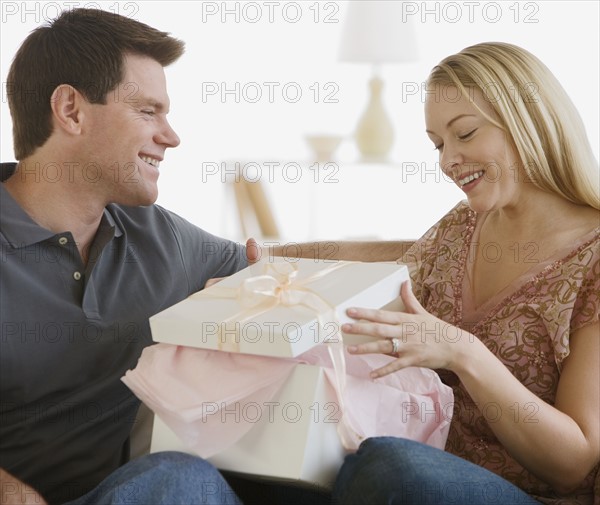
column 383, row 292
column 294, row 438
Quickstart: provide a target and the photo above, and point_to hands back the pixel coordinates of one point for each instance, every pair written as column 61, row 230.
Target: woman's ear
column 66, row 104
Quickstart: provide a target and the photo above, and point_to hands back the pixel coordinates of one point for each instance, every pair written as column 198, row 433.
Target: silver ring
column 395, row 345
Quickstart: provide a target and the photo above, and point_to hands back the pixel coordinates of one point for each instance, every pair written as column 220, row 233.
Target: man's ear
column 66, row 104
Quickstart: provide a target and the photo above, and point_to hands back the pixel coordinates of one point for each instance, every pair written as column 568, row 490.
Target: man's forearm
column 340, row 250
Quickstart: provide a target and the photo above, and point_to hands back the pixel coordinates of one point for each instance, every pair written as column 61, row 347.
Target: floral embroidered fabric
column 527, row 326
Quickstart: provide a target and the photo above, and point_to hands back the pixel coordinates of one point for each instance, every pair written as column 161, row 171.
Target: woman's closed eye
column 467, row 135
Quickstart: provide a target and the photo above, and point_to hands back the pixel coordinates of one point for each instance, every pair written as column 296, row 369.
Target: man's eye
column 148, row 112
column 439, row 147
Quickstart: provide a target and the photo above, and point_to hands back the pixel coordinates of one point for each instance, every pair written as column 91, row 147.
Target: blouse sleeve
column 587, row 305
column 575, row 293
column 421, row 257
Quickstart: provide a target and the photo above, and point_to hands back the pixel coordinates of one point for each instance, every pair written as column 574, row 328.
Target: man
column 86, row 259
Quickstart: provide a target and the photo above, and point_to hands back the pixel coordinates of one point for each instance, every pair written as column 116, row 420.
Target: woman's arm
column 560, row 444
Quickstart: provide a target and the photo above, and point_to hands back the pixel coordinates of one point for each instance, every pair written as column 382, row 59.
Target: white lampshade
column 374, row 32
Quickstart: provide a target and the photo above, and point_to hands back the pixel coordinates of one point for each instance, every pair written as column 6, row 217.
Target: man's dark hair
column 84, row 48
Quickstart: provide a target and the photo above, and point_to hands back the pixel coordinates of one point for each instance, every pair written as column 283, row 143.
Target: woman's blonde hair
column 536, row 112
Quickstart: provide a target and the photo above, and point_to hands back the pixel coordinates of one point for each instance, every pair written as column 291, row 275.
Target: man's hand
column 13, row 491
column 253, row 254
column 213, row 281
column 253, row 251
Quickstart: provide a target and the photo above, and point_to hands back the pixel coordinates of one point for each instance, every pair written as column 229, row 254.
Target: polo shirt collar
column 16, row 225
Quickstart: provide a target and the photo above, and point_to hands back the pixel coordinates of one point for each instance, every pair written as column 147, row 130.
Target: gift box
column 280, row 309
column 293, row 436
column 277, row 404
column 281, row 418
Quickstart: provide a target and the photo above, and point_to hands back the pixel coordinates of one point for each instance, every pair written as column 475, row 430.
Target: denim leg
column 164, row 478
column 395, row 471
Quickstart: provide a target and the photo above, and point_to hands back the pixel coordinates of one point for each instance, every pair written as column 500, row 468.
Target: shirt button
column 76, row 276
column 63, row 240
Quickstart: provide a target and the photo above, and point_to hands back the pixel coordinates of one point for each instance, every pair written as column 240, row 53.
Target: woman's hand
column 420, row 338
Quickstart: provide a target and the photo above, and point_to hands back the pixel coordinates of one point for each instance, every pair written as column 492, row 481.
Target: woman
column 505, row 299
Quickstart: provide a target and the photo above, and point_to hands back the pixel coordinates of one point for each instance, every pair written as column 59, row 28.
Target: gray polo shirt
column 69, row 332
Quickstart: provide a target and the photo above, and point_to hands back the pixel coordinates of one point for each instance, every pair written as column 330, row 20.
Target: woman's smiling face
column 477, row 154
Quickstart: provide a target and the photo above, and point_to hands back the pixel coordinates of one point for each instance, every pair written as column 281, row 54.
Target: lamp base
column 374, row 133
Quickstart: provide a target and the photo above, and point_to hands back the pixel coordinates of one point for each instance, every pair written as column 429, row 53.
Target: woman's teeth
column 469, row 178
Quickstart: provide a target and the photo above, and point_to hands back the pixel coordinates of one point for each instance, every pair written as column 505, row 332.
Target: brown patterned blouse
column 527, row 326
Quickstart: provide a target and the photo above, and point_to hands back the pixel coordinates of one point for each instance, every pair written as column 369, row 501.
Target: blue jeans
column 165, row 478
column 395, row 471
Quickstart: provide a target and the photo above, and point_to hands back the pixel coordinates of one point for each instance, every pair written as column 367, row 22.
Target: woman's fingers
column 391, row 367
column 402, row 330
column 378, row 330
column 376, row 347
column 404, row 356
column 375, row 315
column 411, row 304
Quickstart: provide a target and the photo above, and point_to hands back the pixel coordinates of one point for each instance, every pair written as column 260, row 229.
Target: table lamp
column 374, row 32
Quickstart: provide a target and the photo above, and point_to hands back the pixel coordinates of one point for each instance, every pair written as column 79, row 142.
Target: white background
column 236, row 47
